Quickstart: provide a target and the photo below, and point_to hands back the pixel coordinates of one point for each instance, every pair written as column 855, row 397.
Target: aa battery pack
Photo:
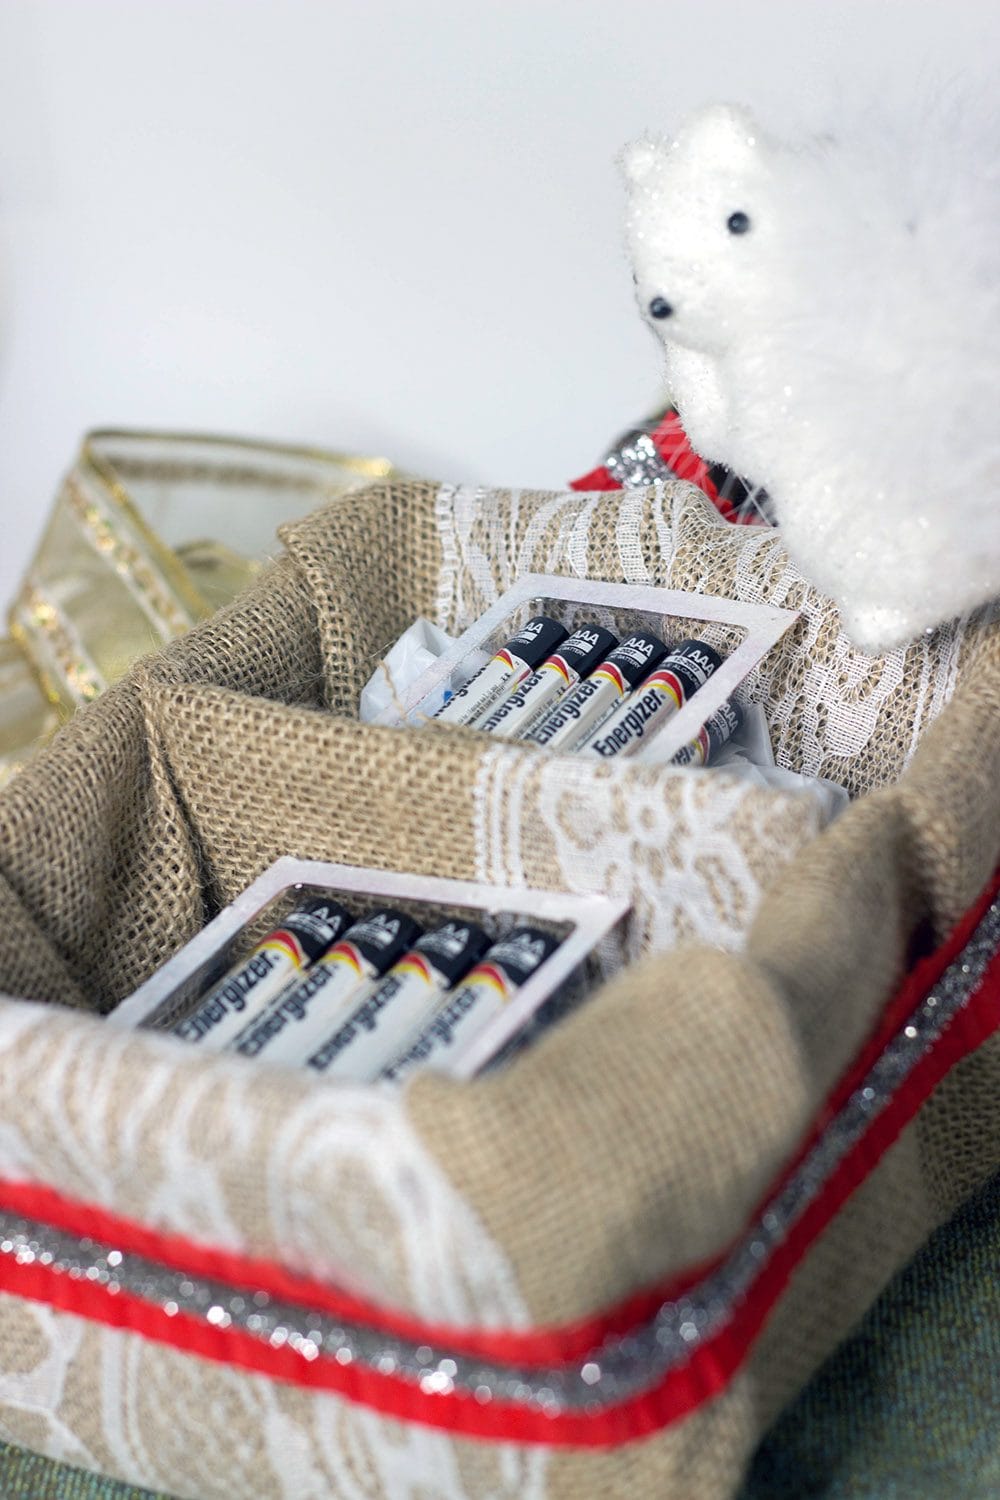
column 531, row 701
column 361, row 1043
column 302, row 1014
column 467, row 1010
column 575, row 717
column 526, row 649
column 281, row 957
column 738, row 634
column 654, row 701
column 573, row 927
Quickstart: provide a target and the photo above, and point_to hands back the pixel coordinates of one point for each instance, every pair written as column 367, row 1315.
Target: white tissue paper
column 416, row 650
column 749, row 754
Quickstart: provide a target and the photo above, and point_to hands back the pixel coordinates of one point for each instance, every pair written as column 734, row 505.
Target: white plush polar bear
column 831, row 316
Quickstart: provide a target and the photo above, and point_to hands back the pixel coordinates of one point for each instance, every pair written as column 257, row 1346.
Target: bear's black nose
column 660, row 308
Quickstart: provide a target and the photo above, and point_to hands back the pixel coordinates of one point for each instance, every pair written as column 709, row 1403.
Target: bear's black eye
column 738, row 223
column 660, row 308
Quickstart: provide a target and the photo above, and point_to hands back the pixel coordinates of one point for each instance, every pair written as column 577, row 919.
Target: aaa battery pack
column 304, row 1012
column 465, row 1014
column 715, row 733
column 576, row 716
column 520, row 655
column 532, row 699
column 682, row 671
column 385, row 1021
column 306, row 932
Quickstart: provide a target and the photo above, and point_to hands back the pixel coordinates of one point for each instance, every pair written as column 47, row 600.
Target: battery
column 576, row 716
column 715, row 733
column 386, row 1020
column 308, row 931
column 303, row 1013
column 522, row 654
column 465, row 1014
column 531, row 700
column 682, row 671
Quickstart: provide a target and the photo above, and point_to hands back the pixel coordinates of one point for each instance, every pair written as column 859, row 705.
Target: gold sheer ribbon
column 128, row 560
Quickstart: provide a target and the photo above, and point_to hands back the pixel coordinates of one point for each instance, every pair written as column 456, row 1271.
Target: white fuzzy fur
column 845, row 352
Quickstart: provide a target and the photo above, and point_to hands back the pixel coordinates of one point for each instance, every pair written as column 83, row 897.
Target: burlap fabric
column 630, row 1143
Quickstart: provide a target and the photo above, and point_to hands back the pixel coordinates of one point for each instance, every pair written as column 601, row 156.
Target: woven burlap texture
column 636, row 1138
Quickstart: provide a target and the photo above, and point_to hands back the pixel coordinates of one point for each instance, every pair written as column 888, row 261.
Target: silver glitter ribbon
column 624, row 1366
column 636, row 462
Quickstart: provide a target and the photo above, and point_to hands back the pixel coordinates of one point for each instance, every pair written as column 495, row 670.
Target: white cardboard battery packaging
column 425, row 646
column 743, row 631
column 580, row 920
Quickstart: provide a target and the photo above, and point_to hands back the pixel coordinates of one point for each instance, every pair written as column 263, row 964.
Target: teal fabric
column 26, row 1476
column 906, row 1409
column 909, row 1407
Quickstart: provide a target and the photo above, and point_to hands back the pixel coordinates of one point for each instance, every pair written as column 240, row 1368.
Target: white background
column 391, row 227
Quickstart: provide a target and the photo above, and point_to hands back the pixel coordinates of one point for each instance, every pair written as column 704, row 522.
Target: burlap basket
column 601, row 1271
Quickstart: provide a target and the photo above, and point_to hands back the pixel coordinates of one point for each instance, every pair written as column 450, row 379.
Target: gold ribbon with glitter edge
column 95, row 499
